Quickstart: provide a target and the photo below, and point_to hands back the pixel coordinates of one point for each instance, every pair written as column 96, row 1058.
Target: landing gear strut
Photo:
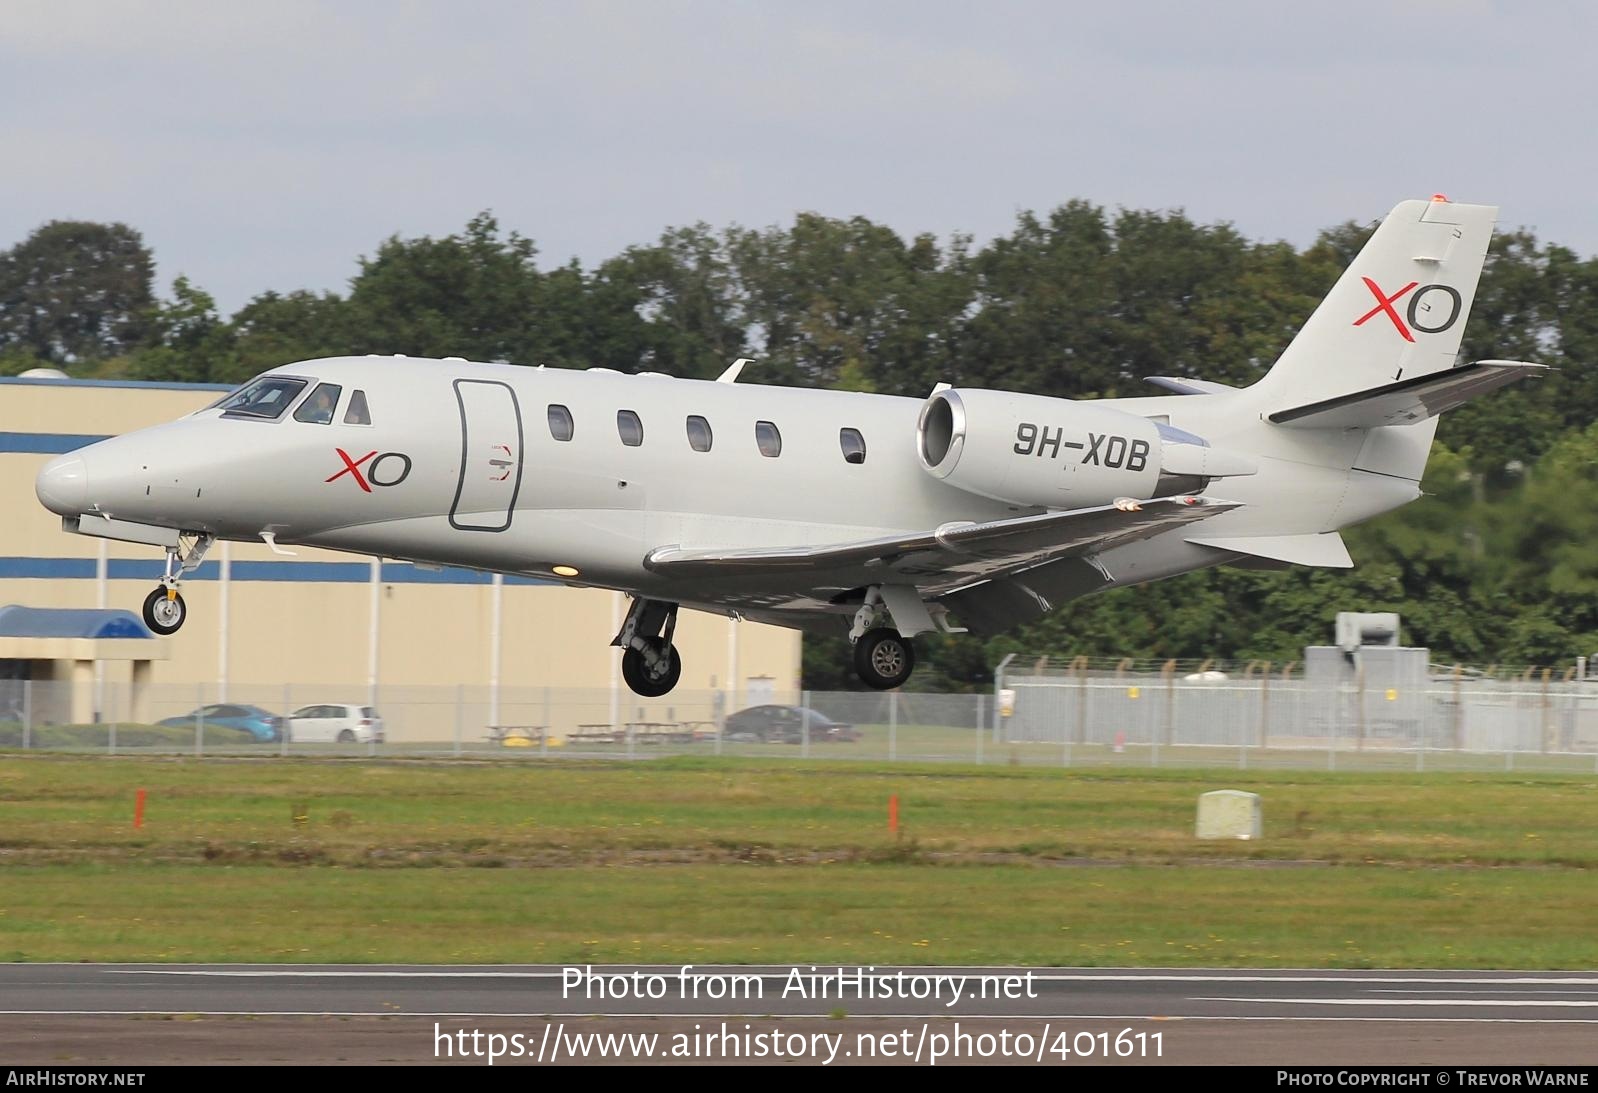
column 164, row 610
column 650, row 663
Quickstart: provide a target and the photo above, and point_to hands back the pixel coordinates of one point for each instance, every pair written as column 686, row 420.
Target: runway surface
column 127, row 1014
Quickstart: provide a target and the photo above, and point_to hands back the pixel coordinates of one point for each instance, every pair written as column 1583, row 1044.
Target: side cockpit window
column 264, row 399
column 358, row 414
column 318, row 409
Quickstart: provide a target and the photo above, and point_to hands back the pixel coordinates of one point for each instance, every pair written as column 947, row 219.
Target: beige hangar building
column 440, row 653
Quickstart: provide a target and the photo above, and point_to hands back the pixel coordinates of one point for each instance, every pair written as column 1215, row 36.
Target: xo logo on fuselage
column 379, row 472
column 1384, row 305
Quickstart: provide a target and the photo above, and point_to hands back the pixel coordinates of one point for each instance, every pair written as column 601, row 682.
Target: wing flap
column 1407, row 401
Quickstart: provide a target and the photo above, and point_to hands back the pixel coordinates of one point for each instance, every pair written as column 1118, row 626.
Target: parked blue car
column 263, row 726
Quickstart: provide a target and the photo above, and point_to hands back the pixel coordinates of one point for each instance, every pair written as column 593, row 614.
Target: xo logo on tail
column 1384, row 304
column 352, row 467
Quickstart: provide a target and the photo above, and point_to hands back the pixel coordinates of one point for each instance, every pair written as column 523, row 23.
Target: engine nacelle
column 1060, row 454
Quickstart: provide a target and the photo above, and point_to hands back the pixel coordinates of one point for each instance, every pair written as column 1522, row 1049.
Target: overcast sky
column 266, row 146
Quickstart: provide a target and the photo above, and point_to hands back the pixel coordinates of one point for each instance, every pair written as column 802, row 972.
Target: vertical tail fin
column 1398, row 311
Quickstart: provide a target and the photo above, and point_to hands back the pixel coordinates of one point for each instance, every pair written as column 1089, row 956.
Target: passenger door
column 491, row 456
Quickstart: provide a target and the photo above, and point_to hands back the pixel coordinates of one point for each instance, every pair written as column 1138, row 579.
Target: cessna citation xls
column 878, row 516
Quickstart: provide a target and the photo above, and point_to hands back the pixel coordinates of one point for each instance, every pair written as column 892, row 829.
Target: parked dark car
column 785, row 725
column 257, row 722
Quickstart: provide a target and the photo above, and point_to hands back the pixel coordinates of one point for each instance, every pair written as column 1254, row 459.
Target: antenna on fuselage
column 731, row 374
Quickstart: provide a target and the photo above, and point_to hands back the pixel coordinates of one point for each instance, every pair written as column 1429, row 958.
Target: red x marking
column 1385, row 303
column 353, row 467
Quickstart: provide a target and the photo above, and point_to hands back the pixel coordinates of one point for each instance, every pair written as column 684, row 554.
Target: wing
column 942, row 560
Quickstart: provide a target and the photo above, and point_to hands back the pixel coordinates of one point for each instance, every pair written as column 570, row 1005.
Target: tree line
column 1497, row 564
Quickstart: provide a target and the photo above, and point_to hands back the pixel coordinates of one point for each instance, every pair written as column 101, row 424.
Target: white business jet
column 876, row 516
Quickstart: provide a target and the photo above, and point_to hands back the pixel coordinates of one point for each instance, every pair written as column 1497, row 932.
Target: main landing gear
column 650, row 663
column 883, row 658
column 164, row 610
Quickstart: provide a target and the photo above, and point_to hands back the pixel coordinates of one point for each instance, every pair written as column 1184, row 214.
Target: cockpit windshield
column 265, row 398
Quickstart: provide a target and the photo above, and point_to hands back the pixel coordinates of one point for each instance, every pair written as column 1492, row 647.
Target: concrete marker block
column 1229, row 814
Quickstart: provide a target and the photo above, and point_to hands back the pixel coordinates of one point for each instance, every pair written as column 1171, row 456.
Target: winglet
column 731, row 374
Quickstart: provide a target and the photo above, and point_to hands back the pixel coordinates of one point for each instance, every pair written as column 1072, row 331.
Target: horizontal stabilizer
column 1184, row 386
column 1326, row 550
column 1407, row 401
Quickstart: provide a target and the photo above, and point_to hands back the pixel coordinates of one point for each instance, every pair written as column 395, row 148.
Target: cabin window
column 629, row 428
column 561, row 425
column 699, row 436
column 318, row 409
column 358, row 414
column 768, row 439
column 853, row 445
column 265, row 398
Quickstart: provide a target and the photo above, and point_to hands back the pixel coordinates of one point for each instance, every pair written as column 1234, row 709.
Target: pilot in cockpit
column 318, row 408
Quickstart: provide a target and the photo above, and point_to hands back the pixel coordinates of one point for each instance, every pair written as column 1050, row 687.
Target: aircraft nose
column 63, row 485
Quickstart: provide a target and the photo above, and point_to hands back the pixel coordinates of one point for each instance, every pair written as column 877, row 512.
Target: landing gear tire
column 164, row 614
column 883, row 658
column 656, row 681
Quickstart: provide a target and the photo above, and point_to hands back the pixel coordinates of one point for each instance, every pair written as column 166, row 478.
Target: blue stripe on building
column 46, row 443
column 131, row 569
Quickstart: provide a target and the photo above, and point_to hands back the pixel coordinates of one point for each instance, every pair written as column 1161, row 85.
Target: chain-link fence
column 1452, row 718
column 1072, row 717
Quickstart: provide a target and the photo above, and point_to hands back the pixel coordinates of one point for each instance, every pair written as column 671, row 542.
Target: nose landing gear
column 164, row 610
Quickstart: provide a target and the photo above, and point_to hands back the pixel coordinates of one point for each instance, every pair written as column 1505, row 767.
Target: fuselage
column 535, row 471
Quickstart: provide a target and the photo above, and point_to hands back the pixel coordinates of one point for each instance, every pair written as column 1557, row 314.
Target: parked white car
column 335, row 724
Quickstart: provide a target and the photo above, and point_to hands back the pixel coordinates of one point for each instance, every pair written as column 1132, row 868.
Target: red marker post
column 138, row 810
column 893, row 814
